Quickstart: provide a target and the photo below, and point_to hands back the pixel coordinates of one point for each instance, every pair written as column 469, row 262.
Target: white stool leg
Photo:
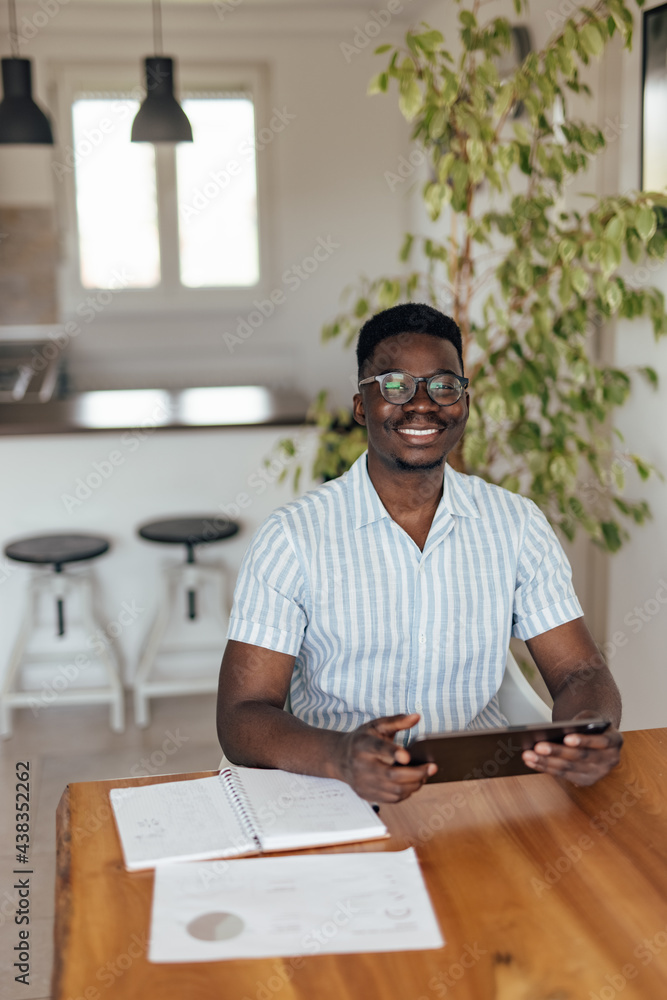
column 91, row 623
column 147, row 661
column 16, row 658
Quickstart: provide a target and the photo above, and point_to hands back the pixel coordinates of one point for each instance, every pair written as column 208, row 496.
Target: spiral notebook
column 238, row 812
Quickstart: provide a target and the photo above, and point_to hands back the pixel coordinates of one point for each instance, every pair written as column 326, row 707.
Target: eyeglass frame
column 461, row 379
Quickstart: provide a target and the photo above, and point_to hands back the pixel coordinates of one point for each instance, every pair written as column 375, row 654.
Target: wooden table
column 543, row 892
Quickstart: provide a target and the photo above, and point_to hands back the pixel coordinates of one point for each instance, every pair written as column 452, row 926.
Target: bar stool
column 184, row 582
column 56, row 551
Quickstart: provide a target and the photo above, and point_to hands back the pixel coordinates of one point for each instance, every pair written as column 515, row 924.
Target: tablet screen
column 491, row 753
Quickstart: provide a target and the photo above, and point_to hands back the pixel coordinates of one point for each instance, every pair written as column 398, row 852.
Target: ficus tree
column 529, row 278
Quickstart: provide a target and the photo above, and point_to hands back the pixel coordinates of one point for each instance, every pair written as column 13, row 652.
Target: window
column 164, row 224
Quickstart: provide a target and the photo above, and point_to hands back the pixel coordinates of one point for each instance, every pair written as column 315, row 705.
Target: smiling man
column 383, row 602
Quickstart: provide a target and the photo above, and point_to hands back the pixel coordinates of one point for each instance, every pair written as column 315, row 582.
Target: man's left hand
column 582, row 759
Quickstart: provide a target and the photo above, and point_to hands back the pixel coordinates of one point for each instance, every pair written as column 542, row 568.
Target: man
column 384, row 601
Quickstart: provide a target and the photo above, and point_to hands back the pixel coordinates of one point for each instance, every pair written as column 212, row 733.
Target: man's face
column 389, row 425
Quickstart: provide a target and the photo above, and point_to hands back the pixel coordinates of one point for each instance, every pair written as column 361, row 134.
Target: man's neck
column 411, row 497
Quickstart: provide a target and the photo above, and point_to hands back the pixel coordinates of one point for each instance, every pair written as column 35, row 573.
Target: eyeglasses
column 399, row 387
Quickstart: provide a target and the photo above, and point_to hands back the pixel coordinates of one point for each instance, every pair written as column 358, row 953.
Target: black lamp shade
column 21, row 120
column 160, row 118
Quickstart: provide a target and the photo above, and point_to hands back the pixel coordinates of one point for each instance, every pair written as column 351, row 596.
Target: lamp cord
column 157, row 27
column 13, row 31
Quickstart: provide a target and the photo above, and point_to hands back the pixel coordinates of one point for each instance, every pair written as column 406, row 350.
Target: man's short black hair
column 412, row 317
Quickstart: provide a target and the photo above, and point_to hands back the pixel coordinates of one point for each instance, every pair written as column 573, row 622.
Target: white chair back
column 518, row 701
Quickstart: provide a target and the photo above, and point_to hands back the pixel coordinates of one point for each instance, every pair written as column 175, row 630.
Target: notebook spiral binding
column 242, row 807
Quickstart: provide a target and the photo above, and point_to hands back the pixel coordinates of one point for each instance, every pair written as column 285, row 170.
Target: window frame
column 169, row 295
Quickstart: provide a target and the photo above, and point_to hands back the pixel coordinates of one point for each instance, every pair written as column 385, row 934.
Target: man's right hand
column 365, row 759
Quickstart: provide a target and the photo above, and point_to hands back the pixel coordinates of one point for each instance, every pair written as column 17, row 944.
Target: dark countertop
column 126, row 409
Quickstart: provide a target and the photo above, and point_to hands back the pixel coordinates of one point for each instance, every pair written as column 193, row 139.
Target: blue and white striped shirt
column 379, row 627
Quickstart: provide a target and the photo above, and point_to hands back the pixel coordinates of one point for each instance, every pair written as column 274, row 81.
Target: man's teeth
column 415, row 433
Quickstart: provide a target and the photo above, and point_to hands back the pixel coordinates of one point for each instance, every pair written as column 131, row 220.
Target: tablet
column 492, row 753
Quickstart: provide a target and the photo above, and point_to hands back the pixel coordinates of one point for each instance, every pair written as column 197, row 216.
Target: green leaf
column 611, row 535
column 651, row 376
column 504, row 100
column 382, row 48
column 645, row 223
column 614, row 297
column 438, row 124
column 614, row 231
column 407, row 247
column 378, row 84
column 580, row 280
column 610, row 258
column 410, row 97
column 591, row 40
column 565, row 288
column 566, row 250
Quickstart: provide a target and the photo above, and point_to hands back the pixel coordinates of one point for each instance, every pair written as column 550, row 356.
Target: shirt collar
column 367, row 507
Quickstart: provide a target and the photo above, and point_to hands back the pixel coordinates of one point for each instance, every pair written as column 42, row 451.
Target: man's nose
column 421, row 402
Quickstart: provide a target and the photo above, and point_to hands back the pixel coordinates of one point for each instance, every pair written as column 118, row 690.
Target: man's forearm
column 590, row 688
column 257, row 734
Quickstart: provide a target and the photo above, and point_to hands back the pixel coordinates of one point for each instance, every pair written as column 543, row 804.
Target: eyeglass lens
column 399, row 387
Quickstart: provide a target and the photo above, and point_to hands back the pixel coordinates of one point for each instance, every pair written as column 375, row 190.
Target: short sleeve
column 544, row 596
column 269, row 606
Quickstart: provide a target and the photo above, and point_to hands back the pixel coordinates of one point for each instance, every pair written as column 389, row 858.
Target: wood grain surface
column 543, row 891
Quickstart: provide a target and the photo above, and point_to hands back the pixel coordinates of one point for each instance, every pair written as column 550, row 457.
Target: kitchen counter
column 129, row 409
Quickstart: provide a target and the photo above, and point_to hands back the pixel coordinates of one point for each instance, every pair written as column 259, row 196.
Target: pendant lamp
column 160, row 118
column 21, row 120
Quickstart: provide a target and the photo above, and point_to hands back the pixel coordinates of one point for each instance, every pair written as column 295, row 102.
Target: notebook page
column 178, row 821
column 297, row 810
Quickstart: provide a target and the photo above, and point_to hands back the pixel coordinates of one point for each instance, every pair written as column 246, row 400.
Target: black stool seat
column 189, row 530
column 56, row 549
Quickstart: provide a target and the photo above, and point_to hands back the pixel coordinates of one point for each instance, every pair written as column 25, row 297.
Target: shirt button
column 419, row 705
column 422, row 638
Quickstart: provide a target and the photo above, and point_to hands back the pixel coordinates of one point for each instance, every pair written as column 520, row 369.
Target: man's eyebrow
column 438, row 371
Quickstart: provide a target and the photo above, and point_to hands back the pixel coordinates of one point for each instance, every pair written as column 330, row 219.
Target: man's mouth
column 421, row 435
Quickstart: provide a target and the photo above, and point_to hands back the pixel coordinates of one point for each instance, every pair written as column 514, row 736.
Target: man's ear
column 358, row 409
